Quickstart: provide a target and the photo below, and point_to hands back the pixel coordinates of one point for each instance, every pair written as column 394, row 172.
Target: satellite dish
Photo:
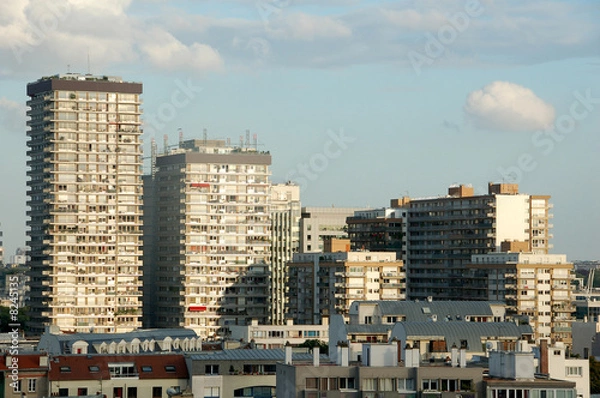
column 489, row 345
column 171, row 391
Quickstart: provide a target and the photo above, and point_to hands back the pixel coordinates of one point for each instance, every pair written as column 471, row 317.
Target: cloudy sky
column 358, row 101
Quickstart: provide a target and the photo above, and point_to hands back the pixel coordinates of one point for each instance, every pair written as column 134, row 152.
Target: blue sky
column 361, row 101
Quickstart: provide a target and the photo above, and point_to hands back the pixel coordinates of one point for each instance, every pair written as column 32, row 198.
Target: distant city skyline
column 358, row 101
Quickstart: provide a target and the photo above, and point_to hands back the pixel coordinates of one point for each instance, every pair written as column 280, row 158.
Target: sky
column 357, row 101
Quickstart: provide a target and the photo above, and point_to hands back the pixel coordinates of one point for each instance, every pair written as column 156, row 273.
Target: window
column 169, row 368
column 31, row 385
column 211, row 369
column 312, row 383
column 82, row 391
column 122, row 370
column 63, row 392
column 157, row 392
column 386, row 384
column 147, row 369
column 211, row 392
column 573, row 371
column 94, row 369
column 347, row 383
column 131, row 392
column 430, row 384
column 369, row 384
column 405, row 385
column 65, row 369
column 16, row 386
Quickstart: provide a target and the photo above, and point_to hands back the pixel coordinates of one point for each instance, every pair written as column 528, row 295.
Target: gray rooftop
column 423, row 310
column 276, row 354
column 455, row 332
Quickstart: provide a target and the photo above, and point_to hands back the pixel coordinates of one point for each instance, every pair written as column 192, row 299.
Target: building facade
column 380, row 229
column 285, row 241
column 443, row 233
column 85, row 195
column 322, row 284
column 211, row 237
column 317, row 223
column 535, row 287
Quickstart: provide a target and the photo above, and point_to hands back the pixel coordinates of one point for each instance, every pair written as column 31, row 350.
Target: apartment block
column 85, row 196
column 535, row 287
column 443, row 233
column 277, row 336
column 380, row 229
column 322, row 284
column 211, row 236
column 318, row 223
column 285, row 241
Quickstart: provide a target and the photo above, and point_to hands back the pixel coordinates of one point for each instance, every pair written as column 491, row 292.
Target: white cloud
column 509, row 107
column 305, row 27
column 166, row 52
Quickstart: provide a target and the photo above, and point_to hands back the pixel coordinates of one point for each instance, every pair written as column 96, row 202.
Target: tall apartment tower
column 211, row 237
column 285, row 241
column 85, row 196
column 443, row 233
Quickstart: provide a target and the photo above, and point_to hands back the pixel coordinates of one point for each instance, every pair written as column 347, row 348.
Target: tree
column 6, row 318
column 312, row 343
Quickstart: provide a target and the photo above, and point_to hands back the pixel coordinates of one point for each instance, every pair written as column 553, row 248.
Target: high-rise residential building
column 536, row 288
column 85, row 196
column 317, row 223
column 380, row 229
column 443, row 233
column 285, row 241
column 211, row 237
column 323, row 284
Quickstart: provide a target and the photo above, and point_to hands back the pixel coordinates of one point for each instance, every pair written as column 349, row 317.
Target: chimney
column 463, row 357
column 316, row 352
column 544, row 357
column 288, row 353
column 343, row 351
column 416, row 356
column 43, row 361
column 8, row 360
column 454, row 355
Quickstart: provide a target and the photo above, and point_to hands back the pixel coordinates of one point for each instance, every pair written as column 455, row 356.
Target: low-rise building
column 141, row 341
column 277, row 336
column 24, row 375
column 118, row 376
column 239, row 373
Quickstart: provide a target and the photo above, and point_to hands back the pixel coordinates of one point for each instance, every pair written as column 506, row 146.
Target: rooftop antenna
column 165, row 144
column 180, row 137
column 241, row 141
column 88, row 62
column 68, row 68
column 255, row 139
column 205, row 137
column 247, row 138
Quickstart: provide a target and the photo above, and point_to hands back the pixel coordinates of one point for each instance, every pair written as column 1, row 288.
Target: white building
column 277, row 336
column 211, row 237
column 85, row 196
column 285, row 241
